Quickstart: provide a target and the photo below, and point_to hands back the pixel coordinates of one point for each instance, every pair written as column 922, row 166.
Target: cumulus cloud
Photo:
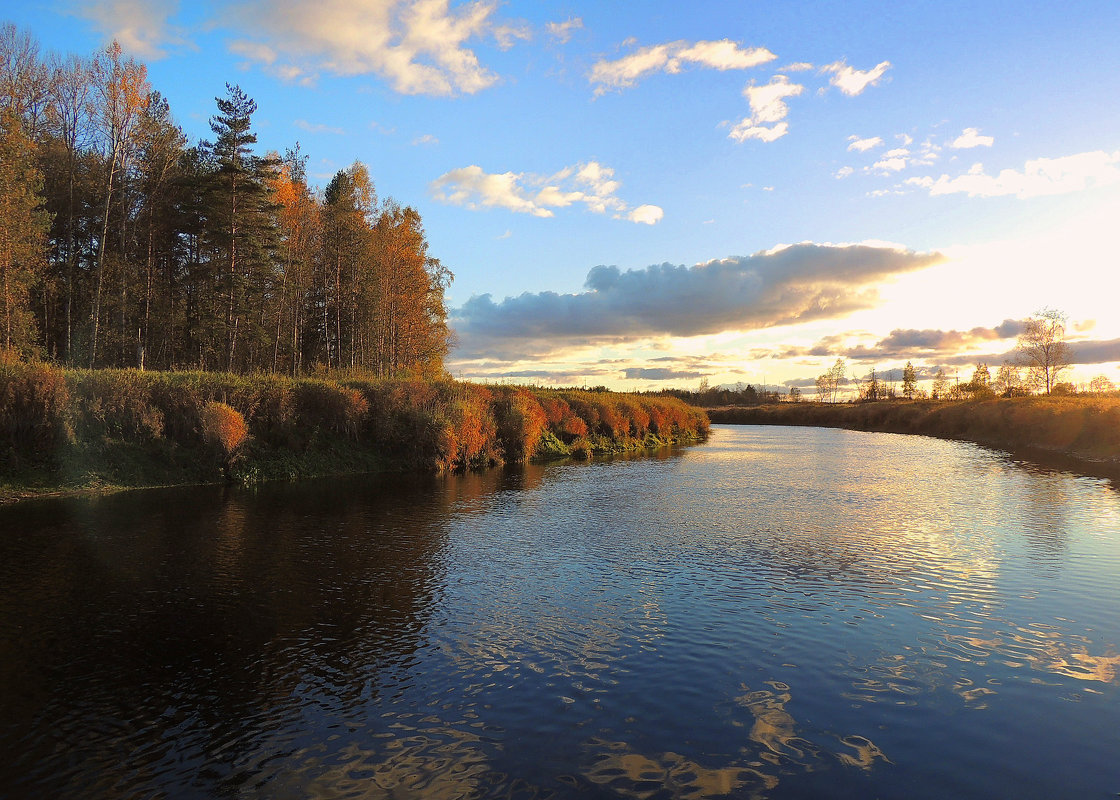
column 141, row 27
column 863, row 145
column 971, row 137
column 787, row 285
column 1042, row 176
column 672, row 57
column 418, row 46
column 893, row 160
column 852, row 81
column 562, row 31
column 646, row 214
column 768, row 110
column 589, row 183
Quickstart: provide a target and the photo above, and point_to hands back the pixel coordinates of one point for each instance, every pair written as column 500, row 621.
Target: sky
column 647, row 195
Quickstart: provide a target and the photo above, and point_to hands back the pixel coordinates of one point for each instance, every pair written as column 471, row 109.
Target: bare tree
column 1042, row 348
column 1008, row 381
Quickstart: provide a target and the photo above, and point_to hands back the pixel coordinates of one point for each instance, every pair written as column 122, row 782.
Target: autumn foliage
column 49, row 415
column 223, row 427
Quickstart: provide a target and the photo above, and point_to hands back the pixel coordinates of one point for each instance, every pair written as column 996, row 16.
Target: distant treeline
column 73, row 428
column 1085, row 429
column 123, row 245
column 716, row 396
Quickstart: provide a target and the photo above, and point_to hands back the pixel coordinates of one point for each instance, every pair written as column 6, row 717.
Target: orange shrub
column 223, row 427
column 520, row 422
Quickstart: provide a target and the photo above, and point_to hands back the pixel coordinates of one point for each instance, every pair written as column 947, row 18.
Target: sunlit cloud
column 672, row 57
column 1040, row 177
column 590, row 183
column 971, row 137
column 852, row 81
column 141, row 27
column 425, row 139
column 863, row 145
column 784, row 286
column 768, row 110
column 646, row 214
column 417, row 46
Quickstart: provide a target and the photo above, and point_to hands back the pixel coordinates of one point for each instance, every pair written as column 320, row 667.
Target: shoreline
column 87, row 432
column 1080, row 435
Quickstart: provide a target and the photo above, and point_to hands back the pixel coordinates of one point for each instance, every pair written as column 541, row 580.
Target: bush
column 115, row 403
column 34, row 408
column 223, row 428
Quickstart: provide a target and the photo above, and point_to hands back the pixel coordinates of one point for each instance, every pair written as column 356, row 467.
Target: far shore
column 1077, row 434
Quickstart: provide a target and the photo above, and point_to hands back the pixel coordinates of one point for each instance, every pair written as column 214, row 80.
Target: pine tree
column 241, row 226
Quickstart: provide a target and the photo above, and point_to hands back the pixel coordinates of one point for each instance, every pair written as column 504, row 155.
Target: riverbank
column 66, row 431
column 1077, row 433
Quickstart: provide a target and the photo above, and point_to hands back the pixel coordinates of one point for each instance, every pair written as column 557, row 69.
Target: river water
column 780, row 612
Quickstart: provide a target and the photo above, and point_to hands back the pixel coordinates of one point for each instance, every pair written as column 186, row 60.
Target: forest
column 124, row 245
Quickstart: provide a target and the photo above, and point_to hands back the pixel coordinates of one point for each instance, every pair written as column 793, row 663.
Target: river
column 777, row 613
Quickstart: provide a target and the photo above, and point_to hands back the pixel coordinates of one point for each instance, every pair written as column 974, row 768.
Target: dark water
column 777, row 613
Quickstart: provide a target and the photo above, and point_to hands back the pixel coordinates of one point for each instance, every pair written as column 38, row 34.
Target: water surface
column 780, row 612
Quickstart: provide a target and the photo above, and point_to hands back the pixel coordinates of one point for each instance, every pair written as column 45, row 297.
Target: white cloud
column 905, row 138
column 562, row 31
column 852, row 81
column 1042, row 176
column 863, row 145
column 971, row 137
column 672, row 57
column 426, row 138
column 418, row 46
column 140, row 26
column 768, row 107
column 799, row 66
column 646, row 214
column 844, row 172
column 893, row 160
column 746, row 129
column 590, row 183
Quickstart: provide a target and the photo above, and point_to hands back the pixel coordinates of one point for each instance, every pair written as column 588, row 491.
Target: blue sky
column 742, row 191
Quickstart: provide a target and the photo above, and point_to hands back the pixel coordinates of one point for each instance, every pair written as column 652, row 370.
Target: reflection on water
column 777, row 613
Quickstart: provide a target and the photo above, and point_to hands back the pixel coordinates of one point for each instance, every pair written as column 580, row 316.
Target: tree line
column 124, row 245
column 1041, row 356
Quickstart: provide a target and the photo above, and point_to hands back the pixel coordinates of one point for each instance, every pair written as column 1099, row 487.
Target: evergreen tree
column 240, row 226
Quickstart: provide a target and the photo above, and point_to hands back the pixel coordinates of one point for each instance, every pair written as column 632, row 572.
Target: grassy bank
column 1082, row 433
column 74, row 430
